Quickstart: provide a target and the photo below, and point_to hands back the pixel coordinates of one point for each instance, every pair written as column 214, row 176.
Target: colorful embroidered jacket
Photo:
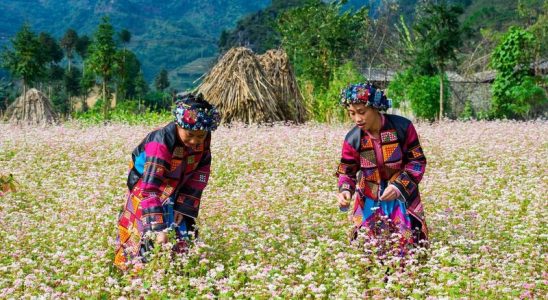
column 403, row 158
column 163, row 165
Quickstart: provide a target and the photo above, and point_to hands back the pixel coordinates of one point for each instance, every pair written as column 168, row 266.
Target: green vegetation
column 318, row 37
column 422, row 92
column 258, row 31
column 438, row 38
column 328, row 43
column 324, row 105
column 162, row 36
column 26, row 60
column 129, row 112
column 515, row 92
column 161, row 82
column 102, row 60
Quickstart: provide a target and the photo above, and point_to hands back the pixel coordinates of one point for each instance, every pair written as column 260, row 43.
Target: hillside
column 164, row 36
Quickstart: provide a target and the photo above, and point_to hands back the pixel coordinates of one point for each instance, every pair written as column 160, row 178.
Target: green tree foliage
column 82, row 46
column 258, row 31
column 124, row 77
column 50, row 48
column 7, row 92
column 141, row 86
column 530, row 99
column 53, row 73
column 157, row 101
column 125, row 36
column 516, row 94
column 421, row 91
column 468, row 112
column 162, row 81
column 102, row 58
column 536, row 14
column 325, row 105
column 488, row 14
column 25, row 60
column 439, row 37
column 51, row 54
column 531, row 10
column 380, row 45
column 318, row 37
column 127, row 75
column 87, row 82
column 72, row 86
column 68, row 43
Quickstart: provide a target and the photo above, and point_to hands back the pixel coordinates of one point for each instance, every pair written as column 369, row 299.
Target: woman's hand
column 344, row 198
column 390, row 193
column 161, row 237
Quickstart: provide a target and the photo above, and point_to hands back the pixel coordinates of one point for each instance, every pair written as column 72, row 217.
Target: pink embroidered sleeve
column 158, row 159
column 414, row 164
column 348, row 167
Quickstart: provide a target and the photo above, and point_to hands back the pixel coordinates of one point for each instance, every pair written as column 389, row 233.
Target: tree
column 515, row 93
column 439, row 37
column 125, row 82
column 7, row 91
column 87, row 82
column 536, row 12
column 128, row 71
column 102, row 58
column 52, row 55
column 418, row 92
column 50, row 48
column 72, row 80
column 318, row 38
column 68, row 43
column 125, row 36
column 532, row 10
column 26, row 59
column 258, row 31
column 380, row 44
column 141, row 87
column 161, row 82
column 82, row 48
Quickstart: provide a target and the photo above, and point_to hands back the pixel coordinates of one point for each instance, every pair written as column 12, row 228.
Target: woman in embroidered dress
column 168, row 172
column 381, row 166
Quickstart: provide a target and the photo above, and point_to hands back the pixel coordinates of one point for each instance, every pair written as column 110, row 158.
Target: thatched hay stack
column 239, row 88
column 34, row 109
column 276, row 66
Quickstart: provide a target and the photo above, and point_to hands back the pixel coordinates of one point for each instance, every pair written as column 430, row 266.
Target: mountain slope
column 166, row 35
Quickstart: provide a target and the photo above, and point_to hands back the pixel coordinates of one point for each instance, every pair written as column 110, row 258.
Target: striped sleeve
column 414, row 164
column 190, row 193
column 157, row 162
column 348, row 167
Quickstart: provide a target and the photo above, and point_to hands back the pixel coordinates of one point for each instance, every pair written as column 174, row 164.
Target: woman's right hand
column 344, row 198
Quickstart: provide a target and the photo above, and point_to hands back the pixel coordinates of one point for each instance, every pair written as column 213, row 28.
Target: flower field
column 269, row 223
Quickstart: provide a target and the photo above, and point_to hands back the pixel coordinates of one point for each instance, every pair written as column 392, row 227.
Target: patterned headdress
column 365, row 93
column 194, row 113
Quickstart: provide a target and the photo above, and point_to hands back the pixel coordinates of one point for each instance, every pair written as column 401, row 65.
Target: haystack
column 34, row 109
column 278, row 70
column 240, row 89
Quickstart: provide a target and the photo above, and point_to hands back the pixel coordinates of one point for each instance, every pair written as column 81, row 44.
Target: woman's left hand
column 390, row 193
